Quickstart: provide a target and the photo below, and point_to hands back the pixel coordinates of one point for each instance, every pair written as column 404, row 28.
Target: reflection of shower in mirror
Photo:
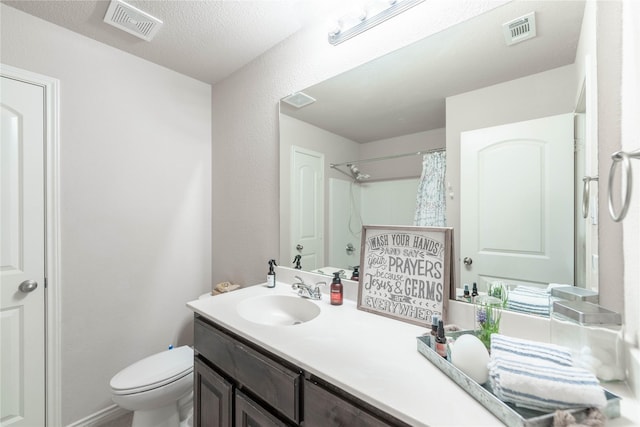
column 353, row 173
column 357, row 175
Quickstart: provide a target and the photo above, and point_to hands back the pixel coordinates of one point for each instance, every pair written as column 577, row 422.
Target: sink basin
column 278, row 310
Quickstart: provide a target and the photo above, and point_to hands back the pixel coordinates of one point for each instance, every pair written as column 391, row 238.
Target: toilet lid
column 154, row 371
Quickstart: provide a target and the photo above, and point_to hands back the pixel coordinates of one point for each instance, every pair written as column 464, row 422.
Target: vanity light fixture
column 376, row 12
column 299, row 99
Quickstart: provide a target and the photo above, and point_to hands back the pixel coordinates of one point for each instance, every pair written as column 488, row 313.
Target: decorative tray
column 506, row 412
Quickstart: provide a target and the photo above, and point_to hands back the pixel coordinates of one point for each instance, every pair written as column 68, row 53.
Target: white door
column 22, row 254
column 517, row 203
column 307, row 207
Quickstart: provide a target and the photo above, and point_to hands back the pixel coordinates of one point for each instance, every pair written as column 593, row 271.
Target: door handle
column 467, row 261
column 28, row 286
column 299, row 247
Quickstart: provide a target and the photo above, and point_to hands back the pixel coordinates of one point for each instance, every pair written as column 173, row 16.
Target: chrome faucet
column 306, row 291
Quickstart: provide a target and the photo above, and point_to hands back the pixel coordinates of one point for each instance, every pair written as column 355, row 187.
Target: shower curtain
column 430, row 202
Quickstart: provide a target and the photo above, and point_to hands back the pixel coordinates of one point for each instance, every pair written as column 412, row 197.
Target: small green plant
column 489, row 312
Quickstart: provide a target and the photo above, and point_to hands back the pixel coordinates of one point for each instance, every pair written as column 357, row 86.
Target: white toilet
column 156, row 388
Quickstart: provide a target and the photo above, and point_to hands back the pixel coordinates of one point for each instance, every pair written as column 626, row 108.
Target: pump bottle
column 336, row 289
column 356, row 273
column 271, row 275
column 441, row 340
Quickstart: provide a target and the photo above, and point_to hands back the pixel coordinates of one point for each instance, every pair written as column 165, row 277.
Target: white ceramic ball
column 470, row 355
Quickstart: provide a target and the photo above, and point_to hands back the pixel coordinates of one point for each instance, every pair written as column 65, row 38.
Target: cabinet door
column 212, row 397
column 276, row 384
column 325, row 409
column 250, row 414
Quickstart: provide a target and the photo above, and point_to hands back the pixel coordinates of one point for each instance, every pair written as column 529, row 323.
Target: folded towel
column 529, row 300
column 546, row 387
column 528, row 352
column 540, row 376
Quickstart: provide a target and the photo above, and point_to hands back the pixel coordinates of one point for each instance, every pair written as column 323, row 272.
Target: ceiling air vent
column 132, row 20
column 298, row 99
column 520, row 29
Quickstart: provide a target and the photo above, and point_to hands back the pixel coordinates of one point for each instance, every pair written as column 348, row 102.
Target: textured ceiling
column 404, row 92
column 401, row 93
column 207, row 40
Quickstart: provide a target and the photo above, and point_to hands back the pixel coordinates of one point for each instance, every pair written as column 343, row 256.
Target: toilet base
column 166, row 416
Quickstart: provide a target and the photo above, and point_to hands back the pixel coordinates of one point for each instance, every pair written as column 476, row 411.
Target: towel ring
column 586, row 192
column 625, row 182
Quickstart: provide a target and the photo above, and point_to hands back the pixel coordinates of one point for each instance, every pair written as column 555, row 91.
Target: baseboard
column 101, row 417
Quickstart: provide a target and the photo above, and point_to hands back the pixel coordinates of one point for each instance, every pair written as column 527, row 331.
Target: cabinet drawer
column 250, row 414
column 274, row 383
column 323, row 408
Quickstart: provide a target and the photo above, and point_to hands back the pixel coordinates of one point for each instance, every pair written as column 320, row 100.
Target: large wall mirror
column 353, row 148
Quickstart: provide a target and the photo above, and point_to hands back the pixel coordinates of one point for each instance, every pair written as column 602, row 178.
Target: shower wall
column 370, row 203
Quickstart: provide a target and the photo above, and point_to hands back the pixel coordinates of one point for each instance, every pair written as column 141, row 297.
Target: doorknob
column 299, row 247
column 467, row 261
column 28, row 286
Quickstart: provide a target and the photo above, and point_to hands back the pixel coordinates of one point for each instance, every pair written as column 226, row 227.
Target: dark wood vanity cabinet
column 239, row 384
column 212, row 396
column 250, row 414
column 324, row 408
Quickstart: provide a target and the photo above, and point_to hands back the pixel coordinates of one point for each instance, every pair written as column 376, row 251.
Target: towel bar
column 625, row 182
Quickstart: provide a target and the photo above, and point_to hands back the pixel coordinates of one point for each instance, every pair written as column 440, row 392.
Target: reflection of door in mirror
column 307, row 207
column 586, row 192
column 517, row 203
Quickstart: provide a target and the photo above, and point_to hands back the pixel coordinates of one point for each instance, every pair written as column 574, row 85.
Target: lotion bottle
column 441, row 340
column 434, row 331
column 474, row 290
column 466, row 295
column 336, row 289
column 271, row 275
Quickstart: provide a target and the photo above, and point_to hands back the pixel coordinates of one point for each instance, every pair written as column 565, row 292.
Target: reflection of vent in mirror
column 132, row 20
column 298, row 100
column 520, row 29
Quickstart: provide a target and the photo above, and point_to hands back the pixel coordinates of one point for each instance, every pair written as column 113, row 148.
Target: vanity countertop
column 370, row 356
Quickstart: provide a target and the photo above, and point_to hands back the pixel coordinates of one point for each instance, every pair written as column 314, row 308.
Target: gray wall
column 135, row 147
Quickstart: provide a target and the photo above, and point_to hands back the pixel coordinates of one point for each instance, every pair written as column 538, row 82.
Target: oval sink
column 278, row 310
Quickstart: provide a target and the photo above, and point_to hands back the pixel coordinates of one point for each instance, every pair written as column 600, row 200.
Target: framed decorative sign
column 406, row 272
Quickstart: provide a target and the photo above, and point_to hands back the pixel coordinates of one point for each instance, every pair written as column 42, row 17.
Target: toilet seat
column 154, row 371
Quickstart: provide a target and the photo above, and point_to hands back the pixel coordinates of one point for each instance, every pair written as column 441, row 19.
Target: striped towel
column 540, row 376
column 528, row 352
column 528, row 299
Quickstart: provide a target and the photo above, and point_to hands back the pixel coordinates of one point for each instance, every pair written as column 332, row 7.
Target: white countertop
column 370, row 356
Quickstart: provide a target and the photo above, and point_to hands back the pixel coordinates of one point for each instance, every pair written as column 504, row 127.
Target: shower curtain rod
column 376, row 159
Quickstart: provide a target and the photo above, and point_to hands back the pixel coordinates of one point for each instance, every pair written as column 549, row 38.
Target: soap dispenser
column 271, row 275
column 336, row 289
column 296, row 262
column 356, row 274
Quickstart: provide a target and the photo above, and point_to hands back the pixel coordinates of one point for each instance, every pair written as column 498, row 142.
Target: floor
column 123, row 421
